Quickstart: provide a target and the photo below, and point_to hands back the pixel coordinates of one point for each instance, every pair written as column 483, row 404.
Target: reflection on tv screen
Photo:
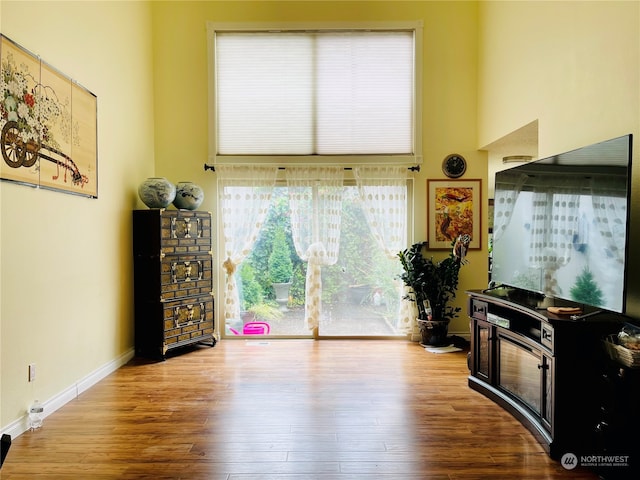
column 560, row 225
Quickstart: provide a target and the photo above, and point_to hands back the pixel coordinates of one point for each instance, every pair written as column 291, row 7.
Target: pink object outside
column 256, row 328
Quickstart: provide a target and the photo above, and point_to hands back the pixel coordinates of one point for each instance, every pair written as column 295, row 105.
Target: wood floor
column 285, row 409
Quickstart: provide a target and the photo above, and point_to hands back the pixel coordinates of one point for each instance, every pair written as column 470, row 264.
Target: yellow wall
column 66, row 298
column 574, row 67
column 449, row 90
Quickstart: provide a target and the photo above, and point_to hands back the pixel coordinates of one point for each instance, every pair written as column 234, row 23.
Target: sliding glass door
column 360, row 293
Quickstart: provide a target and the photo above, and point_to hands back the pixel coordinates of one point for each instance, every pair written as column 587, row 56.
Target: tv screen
column 560, row 225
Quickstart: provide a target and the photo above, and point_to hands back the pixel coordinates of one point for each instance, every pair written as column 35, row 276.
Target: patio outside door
column 360, row 293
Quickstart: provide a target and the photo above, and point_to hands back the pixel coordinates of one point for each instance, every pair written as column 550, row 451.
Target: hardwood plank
column 286, row 410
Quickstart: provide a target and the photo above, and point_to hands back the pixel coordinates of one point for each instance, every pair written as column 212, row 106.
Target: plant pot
column 435, row 333
column 358, row 294
column 282, row 294
column 247, row 317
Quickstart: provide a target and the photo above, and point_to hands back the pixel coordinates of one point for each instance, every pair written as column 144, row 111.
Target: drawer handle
column 187, row 273
column 186, row 231
column 189, row 316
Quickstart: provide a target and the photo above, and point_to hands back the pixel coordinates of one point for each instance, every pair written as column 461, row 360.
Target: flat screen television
column 561, row 225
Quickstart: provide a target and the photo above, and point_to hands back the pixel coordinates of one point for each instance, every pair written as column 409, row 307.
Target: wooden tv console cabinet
column 543, row 368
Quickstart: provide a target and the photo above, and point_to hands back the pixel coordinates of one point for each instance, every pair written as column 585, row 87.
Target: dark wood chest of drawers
column 173, row 280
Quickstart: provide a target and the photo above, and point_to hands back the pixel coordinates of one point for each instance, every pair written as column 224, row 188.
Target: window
column 292, row 93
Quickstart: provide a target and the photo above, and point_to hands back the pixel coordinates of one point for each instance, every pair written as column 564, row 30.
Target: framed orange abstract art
column 454, row 208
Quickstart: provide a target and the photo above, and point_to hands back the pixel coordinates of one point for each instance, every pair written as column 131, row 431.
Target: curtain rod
column 415, row 168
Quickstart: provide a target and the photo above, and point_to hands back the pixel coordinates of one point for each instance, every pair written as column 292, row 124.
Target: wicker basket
column 628, row 358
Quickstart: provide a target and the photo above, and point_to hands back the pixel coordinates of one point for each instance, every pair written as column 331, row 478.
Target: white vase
column 157, row 192
column 189, row 196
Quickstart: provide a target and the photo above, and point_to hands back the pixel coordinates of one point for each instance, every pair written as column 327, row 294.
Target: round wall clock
column 454, row 165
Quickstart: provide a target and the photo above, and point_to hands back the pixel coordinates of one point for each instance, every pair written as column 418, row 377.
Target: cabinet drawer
column 185, row 232
column 187, row 320
column 478, row 309
column 185, row 276
column 159, row 232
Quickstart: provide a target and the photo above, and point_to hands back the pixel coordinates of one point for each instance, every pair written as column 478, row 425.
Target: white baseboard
column 19, row 426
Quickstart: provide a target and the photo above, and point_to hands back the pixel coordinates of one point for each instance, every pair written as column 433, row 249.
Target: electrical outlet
column 32, row 372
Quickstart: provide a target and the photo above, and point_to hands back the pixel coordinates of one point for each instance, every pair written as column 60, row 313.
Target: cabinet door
column 483, row 333
column 546, row 369
column 519, row 367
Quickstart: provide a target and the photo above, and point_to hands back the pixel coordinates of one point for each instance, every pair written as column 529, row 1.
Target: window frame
column 215, row 158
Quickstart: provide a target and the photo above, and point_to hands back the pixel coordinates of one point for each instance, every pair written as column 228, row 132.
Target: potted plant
column 280, row 268
column 433, row 285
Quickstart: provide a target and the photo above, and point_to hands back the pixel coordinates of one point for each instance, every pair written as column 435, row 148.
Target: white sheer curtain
column 505, row 198
column 315, row 200
column 383, row 190
column 554, row 223
column 610, row 209
column 245, row 194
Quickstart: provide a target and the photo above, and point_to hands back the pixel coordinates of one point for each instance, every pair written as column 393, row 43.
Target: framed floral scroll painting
column 48, row 125
column 454, row 208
